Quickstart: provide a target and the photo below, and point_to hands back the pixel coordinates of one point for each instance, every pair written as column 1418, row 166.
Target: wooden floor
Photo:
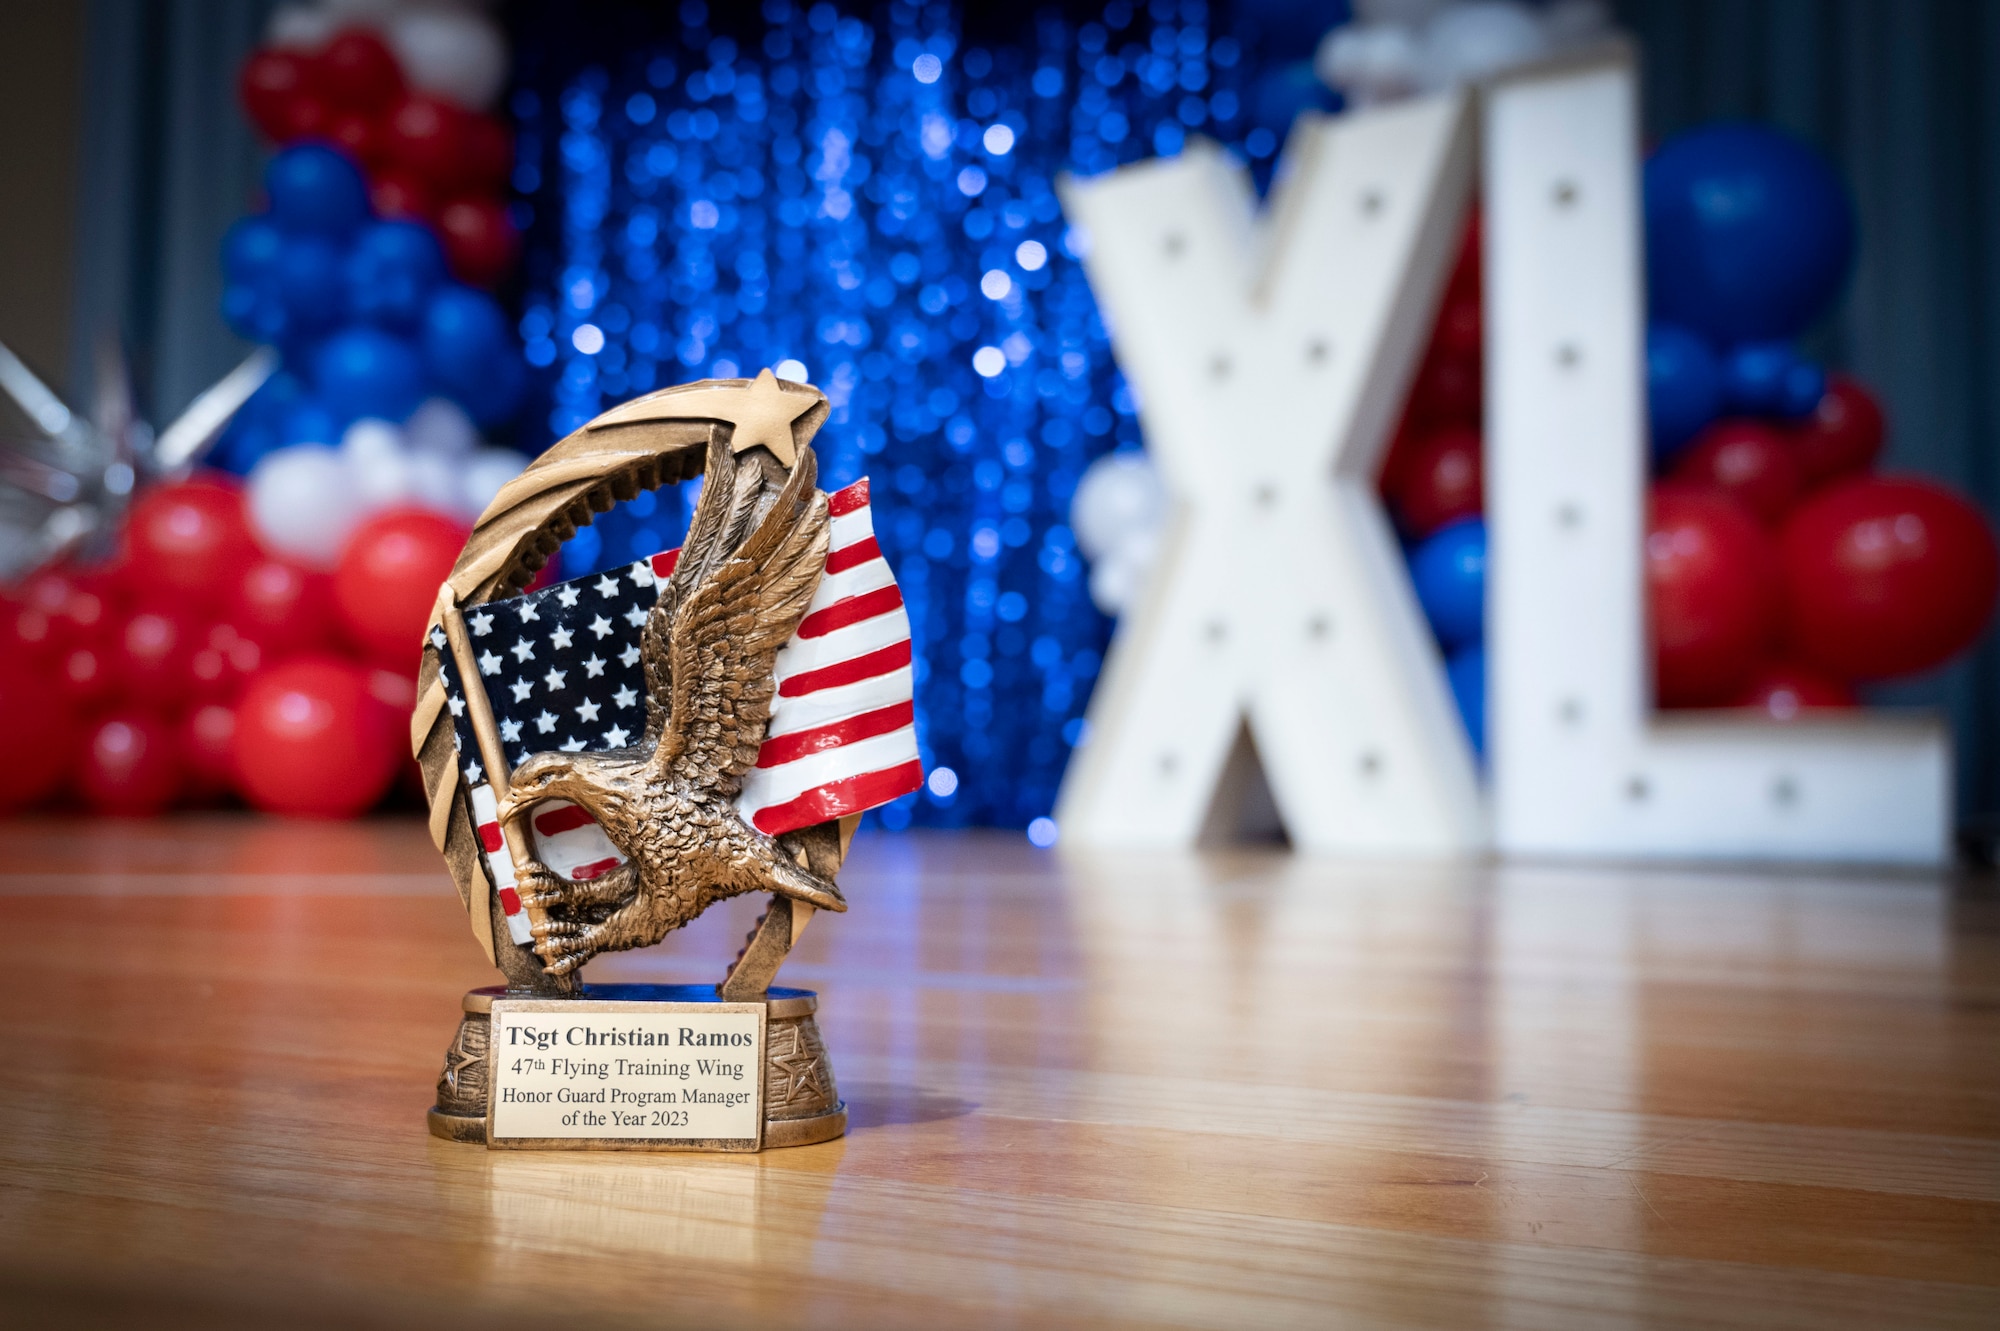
column 1238, row 1092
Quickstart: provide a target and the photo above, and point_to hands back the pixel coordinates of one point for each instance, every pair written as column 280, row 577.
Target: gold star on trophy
column 761, row 410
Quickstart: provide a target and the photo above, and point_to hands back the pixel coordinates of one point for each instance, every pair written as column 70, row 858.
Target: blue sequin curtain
column 866, row 198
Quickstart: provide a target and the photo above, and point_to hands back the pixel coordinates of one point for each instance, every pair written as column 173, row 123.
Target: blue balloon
column 1753, row 376
column 314, row 190
column 495, row 398
column 1449, row 570
column 274, row 399
column 362, row 371
column 1466, row 672
column 240, row 446
column 391, row 272
column 257, row 427
column 250, row 251
column 309, row 282
column 1749, row 233
column 308, row 422
column 465, row 333
column 253, row 312
column 1804, row 386
column 1683, row 387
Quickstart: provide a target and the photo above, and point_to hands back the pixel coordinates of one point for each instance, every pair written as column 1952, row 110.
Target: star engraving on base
column 801, row 1069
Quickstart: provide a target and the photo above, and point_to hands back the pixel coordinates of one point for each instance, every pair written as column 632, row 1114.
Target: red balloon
column 37, row 733
column 312, row 740
column 1459, row 329
column 1783, row 689
column 225, row 663
column 27, row 635
column 75, row 613
column 268, row 83
column 358, row 72
column 1748, row 460
column 1441, row 483
column 1467, row 269
column 307, row 116
column 192, row 539
column 129, row 765
column 153, row 654
column 425, row 137
column 283, row 605
column 395, row 691
column 480, row 242
column 208, row 747
column 1709, row 573
column 394, row 195
column 1448, row 389
column 84, row 675
column 357, row 136
column 1886, row 577
column 489, row 154
column 1843, row 435
column 388, row 577
column 1396, row 458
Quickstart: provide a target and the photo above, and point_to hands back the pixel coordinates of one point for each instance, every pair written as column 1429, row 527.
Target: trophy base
column 801, row 1103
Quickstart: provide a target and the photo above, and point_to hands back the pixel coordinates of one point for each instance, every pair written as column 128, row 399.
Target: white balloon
column 377, row 462
column 434, row 483
column 1140, row 547
column 481, row 477
column 441, row 426
column 452, row 53
column 1370, row 63
column 304, row 502
column 371, row 437
column 1471, row 41
column 1115, row 583
column 1119, row 493
column 300, row 27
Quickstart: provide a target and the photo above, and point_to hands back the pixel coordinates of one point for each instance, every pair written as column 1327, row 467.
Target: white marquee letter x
column 1270, row 357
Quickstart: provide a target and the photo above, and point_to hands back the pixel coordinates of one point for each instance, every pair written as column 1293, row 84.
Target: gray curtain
column 169, row 161
column 1904, row 95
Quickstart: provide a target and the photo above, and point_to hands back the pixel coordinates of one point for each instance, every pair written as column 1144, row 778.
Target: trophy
column 606, row 758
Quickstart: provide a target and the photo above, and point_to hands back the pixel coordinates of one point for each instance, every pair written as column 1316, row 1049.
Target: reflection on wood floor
column 1218, row 1092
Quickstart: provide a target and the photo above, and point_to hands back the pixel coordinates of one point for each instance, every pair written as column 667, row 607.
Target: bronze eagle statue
column 754, row 555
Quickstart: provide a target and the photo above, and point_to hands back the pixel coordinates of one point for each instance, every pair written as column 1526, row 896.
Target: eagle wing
column 720, row 640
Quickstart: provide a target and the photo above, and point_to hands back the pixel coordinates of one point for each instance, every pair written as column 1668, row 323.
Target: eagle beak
column 534, row 781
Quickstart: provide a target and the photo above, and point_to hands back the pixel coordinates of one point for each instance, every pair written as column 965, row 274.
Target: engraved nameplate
column 636, row 1075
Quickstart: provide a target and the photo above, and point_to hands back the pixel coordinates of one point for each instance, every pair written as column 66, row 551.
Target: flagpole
column 479, row 710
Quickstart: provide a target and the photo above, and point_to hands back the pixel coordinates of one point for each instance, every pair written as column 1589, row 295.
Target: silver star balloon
column 65, row 485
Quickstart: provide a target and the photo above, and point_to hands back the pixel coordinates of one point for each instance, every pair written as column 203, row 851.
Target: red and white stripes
column 499, row 864
column 843, row 725
column 567, row 840
column 843, row 735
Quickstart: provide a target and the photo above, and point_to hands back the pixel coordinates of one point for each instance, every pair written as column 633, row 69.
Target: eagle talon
column 557, row 948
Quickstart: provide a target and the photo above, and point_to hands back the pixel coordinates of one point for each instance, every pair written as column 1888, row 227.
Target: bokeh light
column 873, row 200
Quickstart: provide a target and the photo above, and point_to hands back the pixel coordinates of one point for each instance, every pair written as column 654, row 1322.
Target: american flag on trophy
column 561, row 670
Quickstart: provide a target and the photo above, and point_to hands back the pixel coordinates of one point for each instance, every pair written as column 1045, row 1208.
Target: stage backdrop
column 866, row 200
